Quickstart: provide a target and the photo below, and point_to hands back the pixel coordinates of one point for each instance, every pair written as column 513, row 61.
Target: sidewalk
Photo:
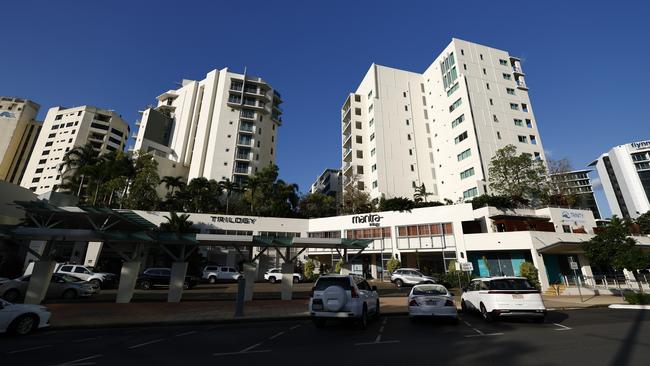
column 83, row 315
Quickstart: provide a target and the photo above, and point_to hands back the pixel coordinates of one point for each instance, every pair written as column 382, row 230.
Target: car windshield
column 511, row 284
column 326, row 282
column 430, row 290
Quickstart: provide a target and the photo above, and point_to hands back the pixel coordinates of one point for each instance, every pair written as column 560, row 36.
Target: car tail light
column 450, row 303
column 413, row 302
column 311, row 293
column 354, row 292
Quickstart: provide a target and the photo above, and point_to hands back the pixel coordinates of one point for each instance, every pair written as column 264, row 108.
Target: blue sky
column 586, row 62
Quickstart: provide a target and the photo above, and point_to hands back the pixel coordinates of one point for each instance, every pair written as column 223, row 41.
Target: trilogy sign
column 233, row 220
column 372, row 219
column 640, row 144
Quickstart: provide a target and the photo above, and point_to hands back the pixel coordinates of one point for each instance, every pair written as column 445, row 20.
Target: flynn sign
column 233, row 220
column 371, row 219
column 641, row 144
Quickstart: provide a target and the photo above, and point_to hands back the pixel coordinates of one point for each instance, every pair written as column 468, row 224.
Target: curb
column 629, row 307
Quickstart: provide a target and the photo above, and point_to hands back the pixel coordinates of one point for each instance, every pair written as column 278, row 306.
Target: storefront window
column 425, row 230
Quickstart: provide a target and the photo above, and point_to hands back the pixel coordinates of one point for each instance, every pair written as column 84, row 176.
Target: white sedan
column 430, row 300
column 22, row 319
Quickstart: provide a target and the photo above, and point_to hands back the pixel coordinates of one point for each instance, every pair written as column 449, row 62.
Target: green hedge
column 636, row 298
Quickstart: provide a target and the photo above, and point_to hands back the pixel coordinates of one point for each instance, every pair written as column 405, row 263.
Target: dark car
column 153, row 277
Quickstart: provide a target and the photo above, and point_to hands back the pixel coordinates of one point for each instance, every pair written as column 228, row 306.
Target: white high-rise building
column 64, row 129
column 440, row 128
column 624, row 172
column 18, row 133
column 222, row 127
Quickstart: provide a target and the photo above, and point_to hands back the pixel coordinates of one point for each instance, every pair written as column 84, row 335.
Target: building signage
column 641, row 144
column 372, row 219
column 466, row 266
column 573, row 215
column 233, row 220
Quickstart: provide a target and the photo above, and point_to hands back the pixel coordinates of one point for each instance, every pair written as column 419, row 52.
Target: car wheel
column 399, row 283
column 24, row 324
column 296, row 280
column 463, row 306
column 319, row 322
column 363, row 322
column 96, row 283
column 11, row 295
column 145, row 285
column 212, row 279
column 69, row 294
column 487, row 316
column 272, row 279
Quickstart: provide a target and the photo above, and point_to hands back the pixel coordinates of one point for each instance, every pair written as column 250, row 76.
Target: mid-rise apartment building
column 18, row 133
column 64, row 129
column 222, row 127
column 439, row 128
column 624, row 172
column 578, row 184
column 328, row 182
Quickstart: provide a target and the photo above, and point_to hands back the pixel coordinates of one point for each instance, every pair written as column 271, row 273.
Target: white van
column 496, row 297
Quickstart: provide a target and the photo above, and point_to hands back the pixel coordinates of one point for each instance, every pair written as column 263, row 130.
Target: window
column 357, row 98
column 533, row 139
column 455, row 105
column 462, row 52
column 494, row 118
column 372, row 136
column 39, row 170
column 426, row 114
column 518, row 122
column 503, row 62
column 470, row 193
column 406, row 108
column 467, row 173
column 464, row 67
column 360, row 186
column 410, row 151
column 524, row 107
column 481, row 55
column 357, row 111
column 408, row 123
column 464, row 155
column 522, row 139
column 453, row 89
column 372, row 152
column 359, row 169
column 374, row 184
column 49, row 143
column 373, row 167
column 42, row 161
column 461, row 137
column 359, row 139
column 458, row 121
column 372, row 122
column 424, row 100
column 484, row 72
column 538, row 156
column 529, row 123
column 404, row 94
column 408, row 137
column 487, row 85
column 370, row 108
column 491, row 101
column 412, row 168
column 498, row 135
column 357, row 124
column 359, row 154
column 370, row 95
column 507, row 76
column 51, row 135
column 566, row 229
column 58, row 117
column 514, row 106
column 510, row 91
column 46, row 152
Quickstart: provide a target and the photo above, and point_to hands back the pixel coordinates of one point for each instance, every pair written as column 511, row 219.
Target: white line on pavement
column 295, row 327
column 146, row 343
column 561, row 327
column 250, row 348
column 186, row 333
column 276, row 335
column 29, row 349
column 80, row 361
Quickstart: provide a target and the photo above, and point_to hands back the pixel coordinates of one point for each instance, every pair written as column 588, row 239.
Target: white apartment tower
column 440, row 128
column 222, row 127
column 65, row 129
column 624, row 172
column 18, row 133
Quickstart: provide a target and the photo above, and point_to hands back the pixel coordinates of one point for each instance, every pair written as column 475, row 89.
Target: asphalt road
column 574, row 337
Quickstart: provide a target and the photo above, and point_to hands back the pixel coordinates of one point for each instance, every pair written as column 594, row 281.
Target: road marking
column 378, row 338
column 147, row 343
column 561, row 327
column 276, row 335
column 80, row 362
column 84, row 339
column 295, row 327
column 250, row 348
column 29, row 349
column 483, row 335
column 186, row 333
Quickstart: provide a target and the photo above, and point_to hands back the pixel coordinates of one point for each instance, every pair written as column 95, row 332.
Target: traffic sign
column 574, row 265
column 466, row 266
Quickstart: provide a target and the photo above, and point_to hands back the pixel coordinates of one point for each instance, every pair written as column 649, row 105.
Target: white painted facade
column 401, row 129
column 64, row 129
column 624, row 172
column 18, row 133
column 222, row 127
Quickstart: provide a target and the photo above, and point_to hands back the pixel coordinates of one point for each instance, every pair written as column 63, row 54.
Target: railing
column 517, row 69
column 241, row 170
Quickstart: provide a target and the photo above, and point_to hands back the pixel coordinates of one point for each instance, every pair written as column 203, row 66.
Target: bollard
column 241, row 292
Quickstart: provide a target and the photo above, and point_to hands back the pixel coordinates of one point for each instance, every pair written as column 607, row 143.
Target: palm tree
column 252, row 183
column 77, row 158
column 177, row 224
column 172, row 182
column 229, row 187
column 421, row 193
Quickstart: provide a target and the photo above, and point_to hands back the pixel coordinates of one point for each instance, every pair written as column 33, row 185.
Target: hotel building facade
column 624, row 172
column 222, row 127
column 18, row 134
column 440, row 128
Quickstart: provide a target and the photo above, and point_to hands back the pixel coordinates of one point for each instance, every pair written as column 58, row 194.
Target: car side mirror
column 374, row 288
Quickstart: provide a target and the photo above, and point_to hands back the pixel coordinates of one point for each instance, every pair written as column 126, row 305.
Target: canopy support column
column 129, row 276
column 41, row 276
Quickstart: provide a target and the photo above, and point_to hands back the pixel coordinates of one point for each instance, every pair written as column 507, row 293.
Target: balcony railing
column 240, row 170
column 518, row 70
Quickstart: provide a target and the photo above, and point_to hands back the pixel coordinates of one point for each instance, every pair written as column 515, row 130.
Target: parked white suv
column 97, row 279
column 410, row 276
column 343, row 297
column 274, row 275
column 497, row 297
column 220, row 273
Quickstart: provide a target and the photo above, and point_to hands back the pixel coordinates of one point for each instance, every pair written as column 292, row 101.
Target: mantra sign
column 233, row 220
column 366, row 219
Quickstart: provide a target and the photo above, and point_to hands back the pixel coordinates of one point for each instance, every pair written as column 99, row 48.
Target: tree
column 529, row 271
column 75, row 160
column 251, row 186
column 559, row 188
column 308, row 269
column 355, row 201
column 172, row 183
column 400, row 204
column 518, row 176
column 177, row 224
column 201, row 195
column 229, row 187
column 502, row 202
column 392, row 265
column 613, row 247
column 421, row 193
column 644, row 223
column 317, row 205
column 142, row 190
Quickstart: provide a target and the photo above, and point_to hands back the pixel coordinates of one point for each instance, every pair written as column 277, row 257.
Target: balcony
column 234, row 99
column 517, row 70
column 521, row 84
column 347, row 142
column 246, row 127
column 347, row 129
column 346, row 115
column 347, row 169
column 247, row 114
column 244, row 142
column 276, row 118
column 241, row 170
column 277, row 108
column 347, row 155
column 243, row 156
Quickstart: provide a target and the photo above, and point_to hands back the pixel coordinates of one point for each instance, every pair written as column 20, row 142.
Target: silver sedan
column 431, row 301
column 61, row 287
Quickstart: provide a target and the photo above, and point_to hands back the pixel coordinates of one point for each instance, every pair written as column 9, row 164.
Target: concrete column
column 287, row 281
column 176, row 282
column 39, row 282
column 249, row 275
column 629, row 275
column 373, row 266
column 346, row 268
column 538, row 261
column 78, row 252
column 92, row 253
column 585, row 268
column 128, row 277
